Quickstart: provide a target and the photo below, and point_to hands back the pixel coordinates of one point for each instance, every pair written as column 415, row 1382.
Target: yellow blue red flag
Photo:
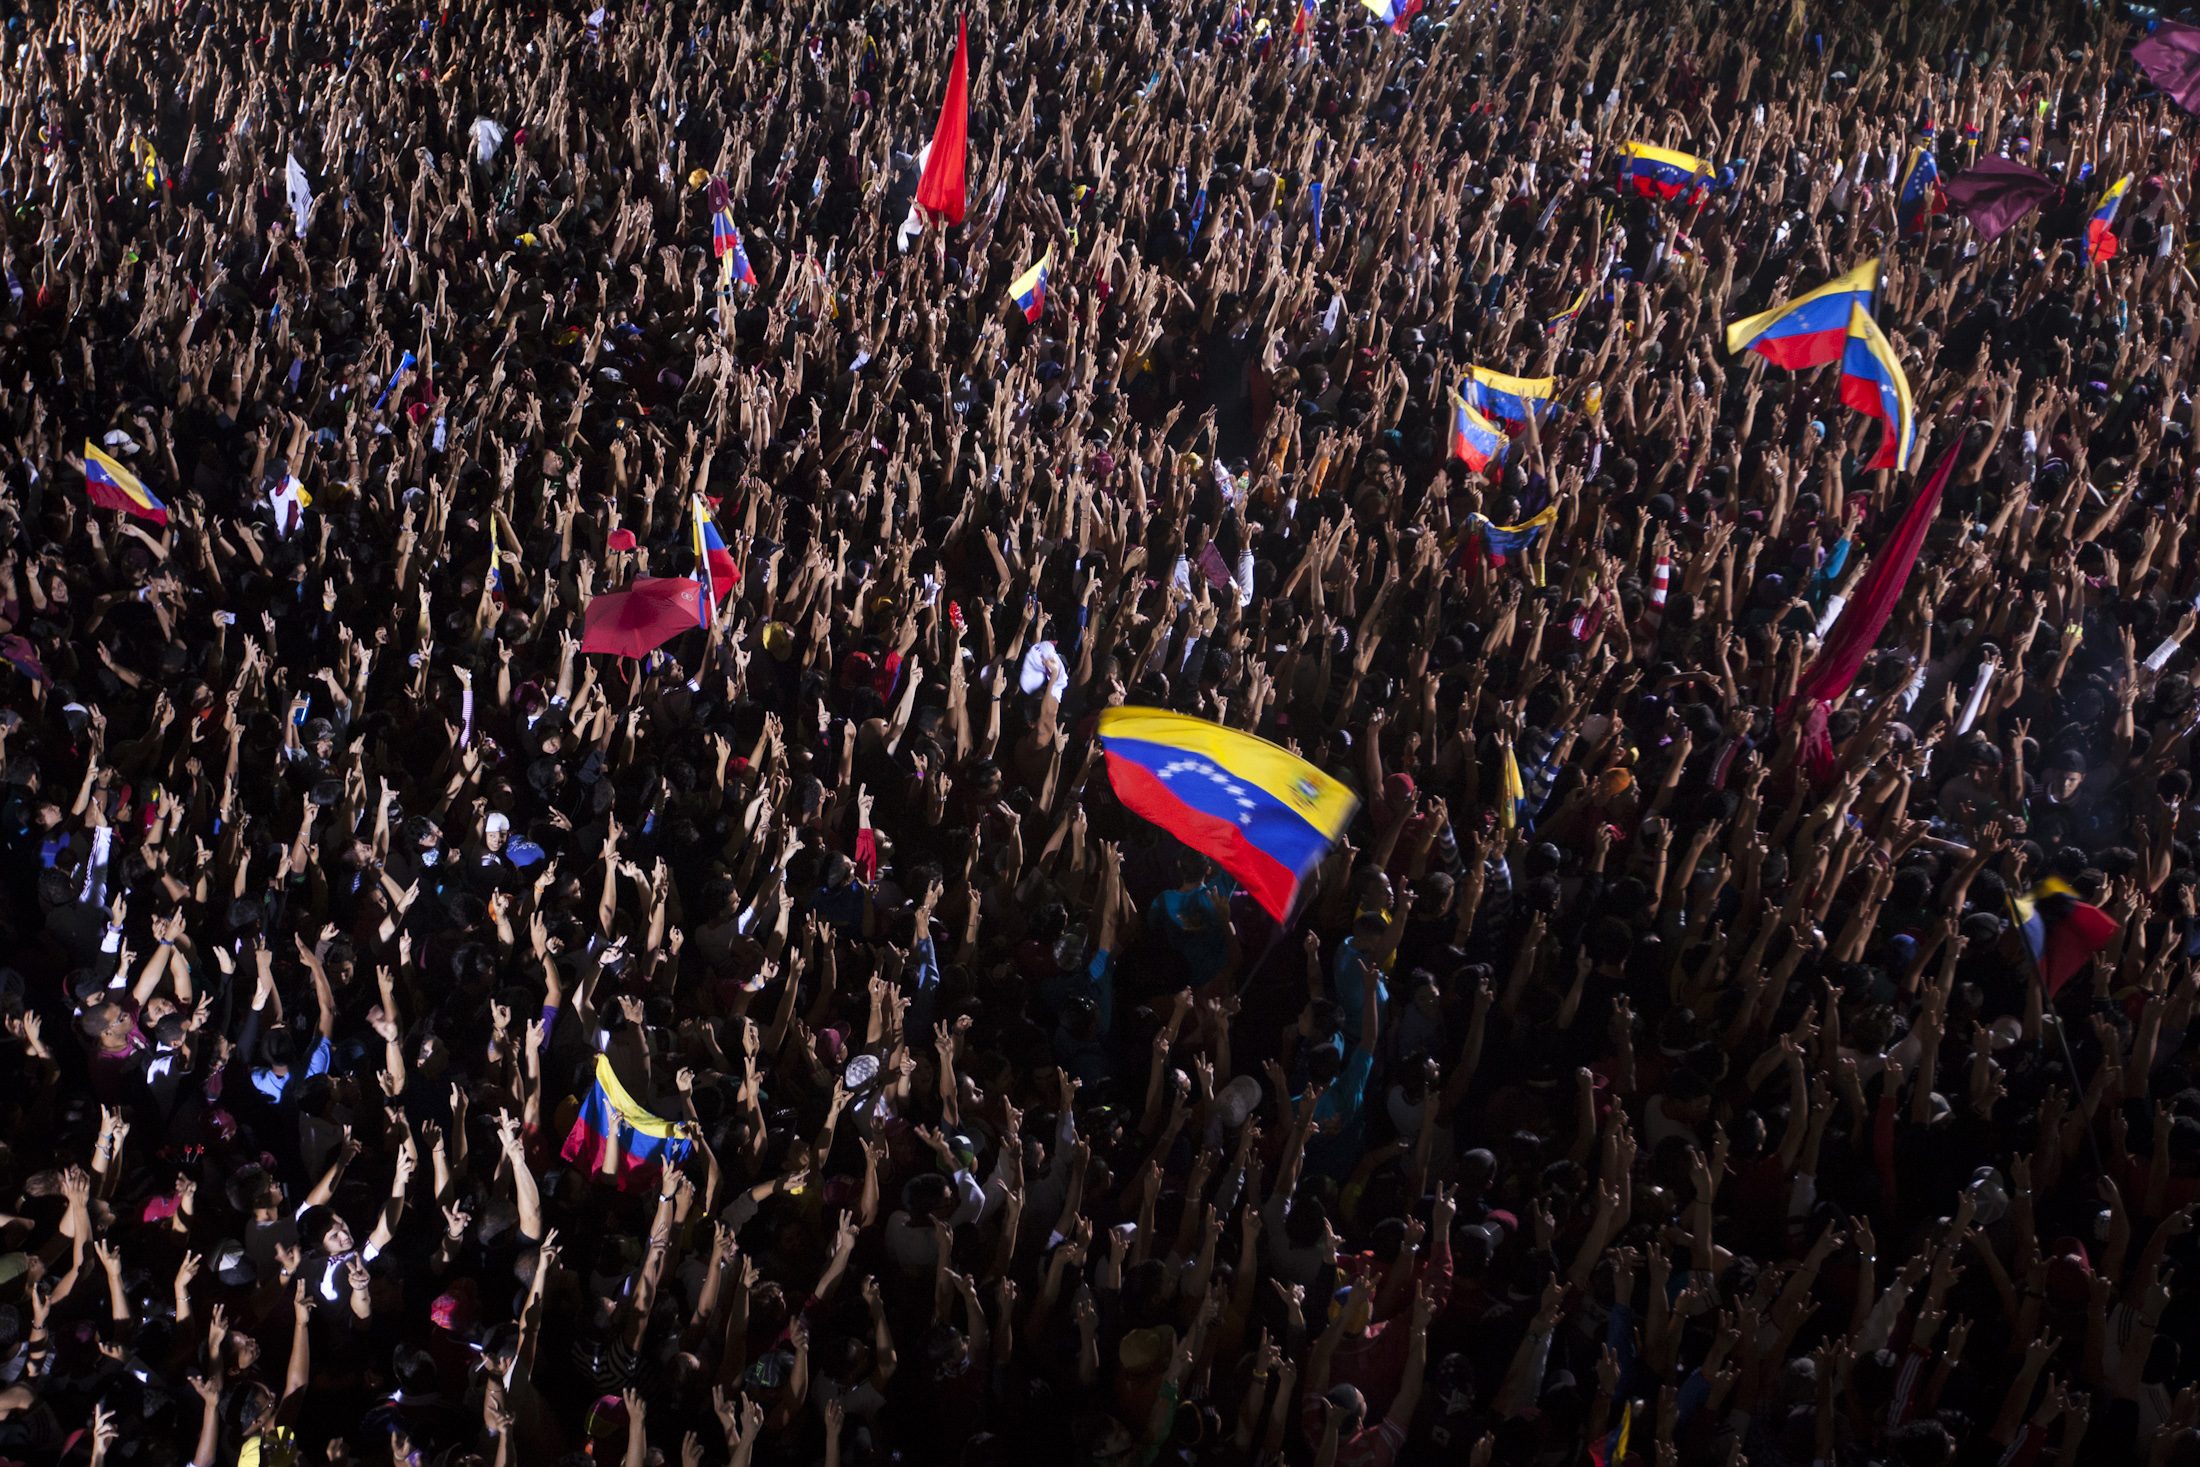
column 2100, row 229
column 111, row 486
column 1503, row 543
column 612, row 1120
column 1262, row 813
column 1873, row 384
column 714, row 563
column 1919, row 197
column 1397, row 14
column 1663, row 173
column 1030, row 288
column 1812, row 329
column 1510, row 399
column 1569, row 313
column 1475, row 440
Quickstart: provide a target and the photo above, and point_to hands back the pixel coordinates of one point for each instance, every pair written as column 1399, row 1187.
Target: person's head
column 1323, row 1065
column 2064, row 774
column 1307, row 1221
column 1345, row 1405
column 256, row 1192
column 928, row 1195
column 107, row 1024
column 251, row 1409
column 323, row 1230
column 985, row 779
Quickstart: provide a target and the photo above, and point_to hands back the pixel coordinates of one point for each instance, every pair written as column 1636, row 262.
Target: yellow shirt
column 276, row 1447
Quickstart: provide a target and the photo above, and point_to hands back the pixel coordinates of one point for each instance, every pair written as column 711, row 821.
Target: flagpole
column 2051, row 1020
column 1275, row 940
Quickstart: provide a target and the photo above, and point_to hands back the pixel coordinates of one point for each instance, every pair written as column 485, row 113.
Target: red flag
column 1842, row 655
column 940, row 190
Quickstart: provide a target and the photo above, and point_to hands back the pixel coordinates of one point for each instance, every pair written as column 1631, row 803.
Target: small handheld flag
column 1302, row 24
column 1475, row 440
column 725, row 238
column 1505, row 543
column 1264, row 814
column 1510, row 399
column 2059, row 931
column 1512, row 794
column 1029, row 290
column 155, row 173
column 1314, row 206
column 111, row 486
column 1397, row 14
column 2100, row 237
column 1873, row 384
column 1812, row 329
column 1612, row 1450
column 613, row 1127
column 1663, row 173
column 1199, row 215
column 1918, row 199
column 1569, row 313
column 714, row 564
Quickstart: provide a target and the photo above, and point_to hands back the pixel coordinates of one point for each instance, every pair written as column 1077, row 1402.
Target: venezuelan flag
column 714, row 564
column 1397, row 14
column 1507, row 542
column 111, row 486
column 1812, row 329
column 1030, row 288
column 1569, row 313
column 1873, row 384
column 1510, row 399
column 1512, row 793
column 1475, row 440
column 2059, row 931
column 725, row 243
column 1915, row 201
column 612, row 1120
column 1662, row 173
column 1302, row 25
column 1612, row 1451
column 1264, row 814
column 153, row 171
column 2100, row 237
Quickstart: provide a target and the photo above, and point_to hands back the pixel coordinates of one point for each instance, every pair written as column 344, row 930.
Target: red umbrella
column 643, row 617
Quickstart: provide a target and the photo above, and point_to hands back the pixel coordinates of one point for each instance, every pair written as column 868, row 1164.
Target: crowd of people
column 427, row 1041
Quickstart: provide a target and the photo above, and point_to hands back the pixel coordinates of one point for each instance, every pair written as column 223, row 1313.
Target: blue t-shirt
column 842, row 906
column 272, row 1085
column 1196, row 924
column 1340, row 1118
column 1352, row 966
column 1084, row 1056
